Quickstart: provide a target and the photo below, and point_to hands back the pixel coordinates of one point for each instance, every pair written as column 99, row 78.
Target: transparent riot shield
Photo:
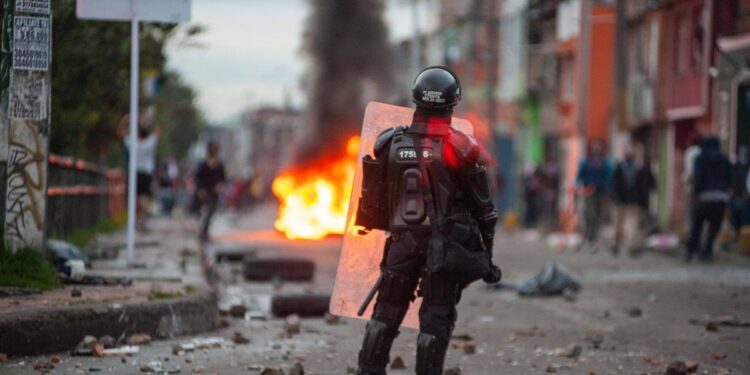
column 361, row 253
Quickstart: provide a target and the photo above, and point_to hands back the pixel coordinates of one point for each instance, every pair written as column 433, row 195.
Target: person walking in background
column 145, row 151
column 551, row 191
column 209, row 183
column 711, row 183
column 625, row 197
column 740, row 202
column 645, row 184
column 691, row 153
column 593, row 182
column 532, row 189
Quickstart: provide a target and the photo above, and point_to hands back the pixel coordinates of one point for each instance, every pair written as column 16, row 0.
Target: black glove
column 494, row 276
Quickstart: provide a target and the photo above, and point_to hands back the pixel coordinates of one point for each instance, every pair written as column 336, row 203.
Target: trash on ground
column 553, row 279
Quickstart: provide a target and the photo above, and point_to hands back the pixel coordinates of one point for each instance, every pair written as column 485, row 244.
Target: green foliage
column 177, row 117
column 27, row 268
column 82, row 236
column 91, row 83
column 159, row 296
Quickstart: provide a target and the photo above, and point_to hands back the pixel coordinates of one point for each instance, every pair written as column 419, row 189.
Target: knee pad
column 430, row 354
column 374, row 355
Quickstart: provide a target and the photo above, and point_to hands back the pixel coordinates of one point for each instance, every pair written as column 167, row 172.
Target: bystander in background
column 593, row 183
column 209, row 183
column 145, row 151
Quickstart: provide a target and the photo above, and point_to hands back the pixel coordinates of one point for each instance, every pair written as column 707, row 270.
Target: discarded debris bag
column 553, row 279
column 63, row 253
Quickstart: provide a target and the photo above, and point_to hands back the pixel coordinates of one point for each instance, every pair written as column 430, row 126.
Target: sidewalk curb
column 51, row 330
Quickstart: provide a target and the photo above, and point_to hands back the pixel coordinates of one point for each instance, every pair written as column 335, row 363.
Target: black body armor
column 415, row 163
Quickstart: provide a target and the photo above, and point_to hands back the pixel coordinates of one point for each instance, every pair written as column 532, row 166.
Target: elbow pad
column 477, row 188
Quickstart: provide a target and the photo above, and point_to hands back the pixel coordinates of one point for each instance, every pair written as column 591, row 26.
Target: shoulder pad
column 384, row 139
column 465, row 145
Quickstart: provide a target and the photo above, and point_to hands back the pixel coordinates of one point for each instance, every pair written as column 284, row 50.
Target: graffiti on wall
column 26, row 184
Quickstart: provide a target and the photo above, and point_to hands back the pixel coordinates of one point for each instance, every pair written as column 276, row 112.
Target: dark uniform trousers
column 403, row 271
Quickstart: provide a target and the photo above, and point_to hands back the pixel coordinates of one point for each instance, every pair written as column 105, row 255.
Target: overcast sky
column 251, row 53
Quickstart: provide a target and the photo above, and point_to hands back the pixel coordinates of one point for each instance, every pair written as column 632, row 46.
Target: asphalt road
column 631, row 317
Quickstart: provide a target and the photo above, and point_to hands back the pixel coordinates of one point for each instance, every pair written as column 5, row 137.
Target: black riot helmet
column 436, row 87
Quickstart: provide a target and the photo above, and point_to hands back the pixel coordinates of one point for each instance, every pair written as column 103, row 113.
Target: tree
column 91, row 82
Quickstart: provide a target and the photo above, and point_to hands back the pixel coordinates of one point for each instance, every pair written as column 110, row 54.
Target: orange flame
column 314, row 201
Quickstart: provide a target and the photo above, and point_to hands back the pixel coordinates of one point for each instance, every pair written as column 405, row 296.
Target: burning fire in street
column 314, row 200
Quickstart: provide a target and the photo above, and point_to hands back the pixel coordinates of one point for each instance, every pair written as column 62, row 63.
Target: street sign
column 170, row 11
column 134, row 11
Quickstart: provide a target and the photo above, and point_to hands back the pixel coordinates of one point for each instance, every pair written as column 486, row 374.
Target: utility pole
column 24, row 121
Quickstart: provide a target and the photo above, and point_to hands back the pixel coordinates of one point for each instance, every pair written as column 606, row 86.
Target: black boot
column 431, row 352
column 374, row 355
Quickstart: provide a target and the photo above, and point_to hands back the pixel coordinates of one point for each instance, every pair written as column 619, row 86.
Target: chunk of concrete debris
column 681, row 368
column 292, row 325
column 452, row 371
column 635, row 312
column 239, row 339
column 107, row 341
column 237, row 311
column 76, row 292
column 138, row 339
column 398, row 364
column 470, row 347
column 272, row 371
column 297, row 369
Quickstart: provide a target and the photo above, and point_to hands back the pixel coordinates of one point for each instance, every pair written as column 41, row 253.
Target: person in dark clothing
column 645, row 184
column 424, row 179
column 532, row 194
column 711, row 182
column 209, row 183
column 593, row 181
column 550, row 192
column 625, row 197
column 740, row 202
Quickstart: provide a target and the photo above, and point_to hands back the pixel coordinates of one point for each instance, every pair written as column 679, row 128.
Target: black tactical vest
column 417, row 175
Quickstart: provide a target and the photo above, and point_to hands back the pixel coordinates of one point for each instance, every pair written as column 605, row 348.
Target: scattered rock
column 76, row 292
column 573, row 351
column 297, row 369
column 109, row 342
column 87, row 342
column 97, row 350
column 680, row 368
column 55, row 359
column 138, row 339
column 398, row 364
column 272, row 371
column 470, row 347
column 153, row 366
column 43, row 366
column 331, row 319
column 718, row 356
column 550, row 369
column 237, row 311
column 692, row 366
column 240, row 339
column 292, row 325
column 223, row 323
column 712, row 327
column 653, row 361
column 351, row 370
column 177, row 349
column 452, row 371
column 635, row 312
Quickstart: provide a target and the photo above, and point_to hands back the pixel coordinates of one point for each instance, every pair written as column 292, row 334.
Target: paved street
column 631, row 317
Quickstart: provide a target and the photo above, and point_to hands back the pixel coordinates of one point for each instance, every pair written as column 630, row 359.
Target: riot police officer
column 427, row 186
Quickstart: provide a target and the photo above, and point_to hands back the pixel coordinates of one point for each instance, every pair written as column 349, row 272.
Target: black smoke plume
column 350, row 63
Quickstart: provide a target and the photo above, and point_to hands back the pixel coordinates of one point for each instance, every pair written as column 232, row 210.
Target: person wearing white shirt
column 145, row 151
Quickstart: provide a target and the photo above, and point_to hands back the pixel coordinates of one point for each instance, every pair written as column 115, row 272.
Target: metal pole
column 134, row 64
